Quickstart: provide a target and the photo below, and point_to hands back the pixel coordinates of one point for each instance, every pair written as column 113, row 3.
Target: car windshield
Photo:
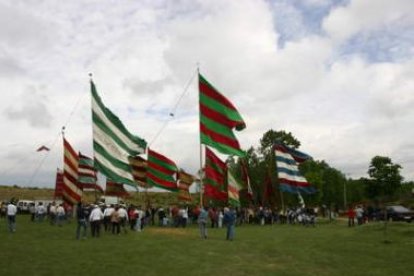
column 399, row 209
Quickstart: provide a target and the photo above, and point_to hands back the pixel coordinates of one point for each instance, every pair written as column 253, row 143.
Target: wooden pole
column 201, row 148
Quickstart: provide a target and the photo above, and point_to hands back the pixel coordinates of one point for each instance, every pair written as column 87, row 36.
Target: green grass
column 328, row 249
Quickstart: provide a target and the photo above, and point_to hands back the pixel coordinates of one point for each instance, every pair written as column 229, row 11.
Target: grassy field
column 328, row 249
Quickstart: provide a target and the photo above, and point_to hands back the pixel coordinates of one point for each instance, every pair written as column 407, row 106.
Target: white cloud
column 344, row 110
column 32, row 107
column 366, row 15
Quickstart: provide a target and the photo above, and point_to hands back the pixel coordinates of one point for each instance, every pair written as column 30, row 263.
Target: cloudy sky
column 338, row 74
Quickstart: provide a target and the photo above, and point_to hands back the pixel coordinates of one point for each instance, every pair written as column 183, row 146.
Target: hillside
column 139, row 198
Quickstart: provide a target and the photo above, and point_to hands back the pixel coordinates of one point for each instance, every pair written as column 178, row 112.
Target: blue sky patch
column 294, row 19
column 389, row 44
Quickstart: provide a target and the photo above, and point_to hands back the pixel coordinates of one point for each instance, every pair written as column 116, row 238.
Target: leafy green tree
column 313, row 171
column 329, row 182
column 385, row 178
column 406, row 190
column 272, row 137
column 355, row 190
column 333, row 191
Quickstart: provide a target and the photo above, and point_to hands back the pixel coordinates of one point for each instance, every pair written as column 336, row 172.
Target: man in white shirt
column 11, row 216
column 52, row 213
column 107, row 217
column 40, row 211
column 95, row 219
column 60, row 214
column 359, row 214
column 123, row 216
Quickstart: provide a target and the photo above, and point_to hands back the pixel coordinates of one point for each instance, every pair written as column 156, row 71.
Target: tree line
column 383, row 183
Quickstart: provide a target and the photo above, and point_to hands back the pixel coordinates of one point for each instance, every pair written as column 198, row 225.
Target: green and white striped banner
column 113, row 143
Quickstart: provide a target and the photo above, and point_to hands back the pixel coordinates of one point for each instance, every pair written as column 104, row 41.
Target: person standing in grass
column 32, row 211
column 11, row 216
column 202, row 222
column 162, row 217
column 220, row 218
column 52, row 213
column 138, row 223
column 132, row 216
column 123, row 218
column 107, row 217
column 351, row 216
column 359, row 211
column 82, row 214
column 60, row 214
column 95, row 219
column 40, row 212
column 213, row 214
column 115, row 221
column 229, row 220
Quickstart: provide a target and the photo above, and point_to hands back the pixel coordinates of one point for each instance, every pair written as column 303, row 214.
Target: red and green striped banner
column 71, row 192
column 59, row 184
column 215, row 177
column 139, row 170
column 218, row 117
column 87, row 175
column 184, row 182
column 115, row 189
column 161, row 171
column 233, row 188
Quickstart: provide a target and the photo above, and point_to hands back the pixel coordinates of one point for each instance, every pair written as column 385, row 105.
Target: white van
column 108, row 200
column 23, row 205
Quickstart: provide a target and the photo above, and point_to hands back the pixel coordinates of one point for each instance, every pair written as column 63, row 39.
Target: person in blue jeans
column 11, row 216
column 82, row 214
column 202, row 222
column 229, row 220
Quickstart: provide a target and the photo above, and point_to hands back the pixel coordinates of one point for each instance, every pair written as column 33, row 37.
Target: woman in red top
column 351, row 216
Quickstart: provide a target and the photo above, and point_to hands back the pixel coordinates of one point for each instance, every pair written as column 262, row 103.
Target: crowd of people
column 361, row 215
column 120, row 218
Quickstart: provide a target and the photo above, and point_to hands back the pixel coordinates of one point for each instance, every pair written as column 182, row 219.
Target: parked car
column 23, row 205
column 399, row 213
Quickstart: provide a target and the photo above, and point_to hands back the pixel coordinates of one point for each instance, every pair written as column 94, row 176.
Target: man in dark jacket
column 82, row 214
column 229, row 220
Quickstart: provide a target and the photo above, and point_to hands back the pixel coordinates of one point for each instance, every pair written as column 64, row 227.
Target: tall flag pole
column 113, row 144
column 201, row 174
column 246, row 178
column 267, row 190
column 71, row 192
column 290, row 178
column 218, row 118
